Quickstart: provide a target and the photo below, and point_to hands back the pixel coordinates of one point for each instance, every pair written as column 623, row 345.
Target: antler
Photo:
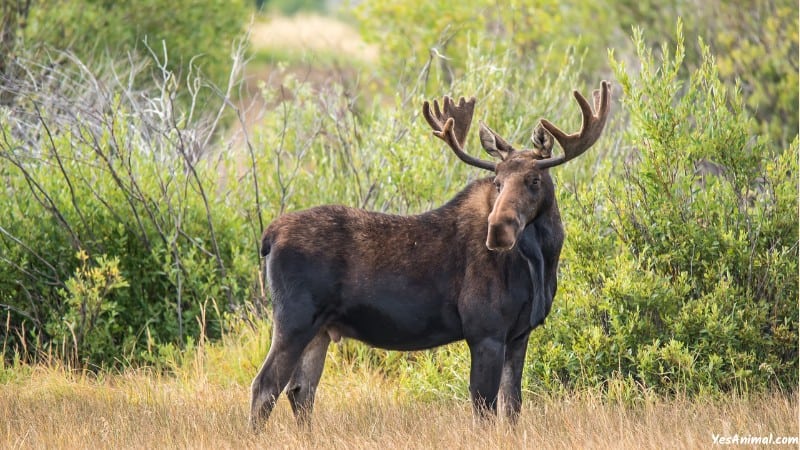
column 451, row 124
column 576, row 144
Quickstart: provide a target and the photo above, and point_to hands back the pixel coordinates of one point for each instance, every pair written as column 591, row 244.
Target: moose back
column 482, row 268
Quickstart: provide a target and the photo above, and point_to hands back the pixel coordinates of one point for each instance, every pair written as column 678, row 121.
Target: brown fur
column 482, row 268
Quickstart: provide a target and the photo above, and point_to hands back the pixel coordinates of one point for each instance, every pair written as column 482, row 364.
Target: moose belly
column 400, row 318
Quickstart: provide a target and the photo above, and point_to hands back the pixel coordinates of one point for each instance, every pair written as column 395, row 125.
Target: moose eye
column 497, row 185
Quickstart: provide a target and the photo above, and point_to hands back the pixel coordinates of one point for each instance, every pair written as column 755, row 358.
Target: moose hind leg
column 484, row 379
column 284, row 355
column 303, row 384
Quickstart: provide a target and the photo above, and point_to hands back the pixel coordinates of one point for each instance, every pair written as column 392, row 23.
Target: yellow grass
column 310, row 33
column 52, row 408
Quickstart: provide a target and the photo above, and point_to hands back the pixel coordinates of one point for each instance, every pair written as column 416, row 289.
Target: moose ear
column 494, row 144
column 542, row 142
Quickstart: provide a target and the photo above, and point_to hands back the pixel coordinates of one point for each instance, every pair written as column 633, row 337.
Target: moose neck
column 475, row 200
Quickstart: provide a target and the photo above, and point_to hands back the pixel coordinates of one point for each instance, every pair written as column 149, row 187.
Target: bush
column 89, row 317
column 680, row 267
column 124, row 179
column 290, row 6
column 200, row 32
column 756, row 42
column 418, row 36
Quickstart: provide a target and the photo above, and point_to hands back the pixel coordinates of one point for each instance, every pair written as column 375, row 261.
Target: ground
column 55, row 408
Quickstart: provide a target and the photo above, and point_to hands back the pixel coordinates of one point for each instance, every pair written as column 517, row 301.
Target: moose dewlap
column 482, row 268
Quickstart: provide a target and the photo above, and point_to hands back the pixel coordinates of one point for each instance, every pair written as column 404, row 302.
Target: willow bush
column 680, row 268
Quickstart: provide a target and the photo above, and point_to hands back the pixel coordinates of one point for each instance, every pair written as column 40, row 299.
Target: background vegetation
column 196, row 34
column 135, row 188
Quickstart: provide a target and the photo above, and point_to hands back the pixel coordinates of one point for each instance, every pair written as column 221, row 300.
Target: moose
column 481, row 268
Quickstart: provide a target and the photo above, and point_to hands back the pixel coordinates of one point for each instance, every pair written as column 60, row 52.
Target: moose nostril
column 502, row 234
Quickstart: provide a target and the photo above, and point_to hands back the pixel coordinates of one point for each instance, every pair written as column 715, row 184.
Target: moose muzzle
column 503, row 232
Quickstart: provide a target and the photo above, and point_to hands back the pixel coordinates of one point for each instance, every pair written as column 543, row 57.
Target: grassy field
column 56, row 408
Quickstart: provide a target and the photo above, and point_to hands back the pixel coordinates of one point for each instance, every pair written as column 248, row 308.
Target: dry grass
column 55, row 409
column 310, row 33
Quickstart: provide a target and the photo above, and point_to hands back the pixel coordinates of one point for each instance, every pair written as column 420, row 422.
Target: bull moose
column 481, row 268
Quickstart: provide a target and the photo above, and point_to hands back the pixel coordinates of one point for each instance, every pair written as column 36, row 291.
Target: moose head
column 519, row 173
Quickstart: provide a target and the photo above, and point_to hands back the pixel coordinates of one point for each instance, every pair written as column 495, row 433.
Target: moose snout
column 503, row 231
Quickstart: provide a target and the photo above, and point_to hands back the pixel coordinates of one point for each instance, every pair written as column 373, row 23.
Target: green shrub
column 290, row 6
column 756, row 42
column 200, row 32
column 120, row 177
column 89, row 319
column 680, row 267
column 419, row 39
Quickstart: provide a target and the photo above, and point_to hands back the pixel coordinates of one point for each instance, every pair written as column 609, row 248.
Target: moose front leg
column 511, row 381
column 484, row 378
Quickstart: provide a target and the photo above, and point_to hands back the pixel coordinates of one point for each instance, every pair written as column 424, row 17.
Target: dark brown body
column 481, row 268
column 410, row 283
